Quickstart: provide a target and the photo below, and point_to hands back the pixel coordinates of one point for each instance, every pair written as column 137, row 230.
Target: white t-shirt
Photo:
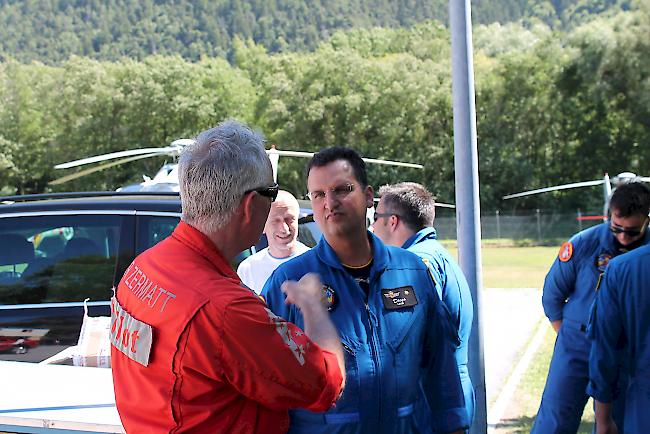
column 257, row 268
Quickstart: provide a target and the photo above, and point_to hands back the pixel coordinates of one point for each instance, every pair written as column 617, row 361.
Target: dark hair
column 329, row 155
column 411, row 201
column 630, row 199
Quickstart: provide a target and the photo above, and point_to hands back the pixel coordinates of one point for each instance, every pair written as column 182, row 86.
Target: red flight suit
column 194, row 350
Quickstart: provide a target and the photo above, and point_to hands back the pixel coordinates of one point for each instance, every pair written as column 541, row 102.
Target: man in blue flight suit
column 620, row 328
column 404, row 218
column 569, row 292
column 401, row 372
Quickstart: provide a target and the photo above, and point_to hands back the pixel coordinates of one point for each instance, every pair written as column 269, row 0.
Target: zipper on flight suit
column 375, row 353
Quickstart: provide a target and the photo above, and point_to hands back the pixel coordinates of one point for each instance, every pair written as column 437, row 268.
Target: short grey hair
column 411, row 201
column 217, row 169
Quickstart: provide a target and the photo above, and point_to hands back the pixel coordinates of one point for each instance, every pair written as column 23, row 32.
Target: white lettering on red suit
column 129, row 335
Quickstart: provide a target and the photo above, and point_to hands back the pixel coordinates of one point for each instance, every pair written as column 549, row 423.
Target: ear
column 246, row 208
column 394, row 223
column 370, row 194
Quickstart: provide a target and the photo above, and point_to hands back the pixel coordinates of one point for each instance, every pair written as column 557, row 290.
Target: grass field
column 508, row 266
column 521, row 414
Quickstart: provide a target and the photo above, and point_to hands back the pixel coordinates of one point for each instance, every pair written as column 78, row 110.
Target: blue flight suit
column 569, row 292
column 401, row 372
column 454, row 291
column 620, row 328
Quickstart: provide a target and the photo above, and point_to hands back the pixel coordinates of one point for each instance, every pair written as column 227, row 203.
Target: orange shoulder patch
column 566, row 251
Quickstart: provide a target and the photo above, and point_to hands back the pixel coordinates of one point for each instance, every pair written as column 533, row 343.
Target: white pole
column 467, row 198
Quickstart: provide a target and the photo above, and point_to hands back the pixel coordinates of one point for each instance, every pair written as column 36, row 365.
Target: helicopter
column 166, row 179
column 608, row 185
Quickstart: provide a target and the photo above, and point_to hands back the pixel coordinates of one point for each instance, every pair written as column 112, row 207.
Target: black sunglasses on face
column 379, row 215
column 629, row 232
column 271, row 192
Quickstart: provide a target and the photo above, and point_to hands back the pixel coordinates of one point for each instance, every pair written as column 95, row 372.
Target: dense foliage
column 552, row 107
column 53, row 30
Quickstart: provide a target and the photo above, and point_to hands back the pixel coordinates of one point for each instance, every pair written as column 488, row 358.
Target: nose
column 624, row 238
column 330, row 200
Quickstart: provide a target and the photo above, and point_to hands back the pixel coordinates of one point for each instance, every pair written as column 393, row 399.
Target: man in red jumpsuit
column 192, row 348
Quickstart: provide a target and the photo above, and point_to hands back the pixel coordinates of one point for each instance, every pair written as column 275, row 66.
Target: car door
column 50, row 262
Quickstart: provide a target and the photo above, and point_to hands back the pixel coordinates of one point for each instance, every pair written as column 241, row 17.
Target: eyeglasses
column 271, row 192
column 379, row 215
column 629, row 232
column 339, row 192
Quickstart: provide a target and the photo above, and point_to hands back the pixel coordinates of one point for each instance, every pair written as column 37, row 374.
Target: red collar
column 200, row 243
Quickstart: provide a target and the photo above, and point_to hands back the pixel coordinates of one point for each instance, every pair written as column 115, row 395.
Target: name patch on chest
column 129, row 335
column 398, row 298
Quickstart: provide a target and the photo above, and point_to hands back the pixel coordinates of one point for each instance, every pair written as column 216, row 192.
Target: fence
column 537, row 225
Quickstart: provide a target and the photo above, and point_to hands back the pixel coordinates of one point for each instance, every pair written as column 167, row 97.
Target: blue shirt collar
column 426, row 233
column 379, row 254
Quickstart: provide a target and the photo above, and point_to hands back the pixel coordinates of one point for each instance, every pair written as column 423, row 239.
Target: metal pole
column 498, row 226
column 467, row 200
column 579, row 220
column 539, row 227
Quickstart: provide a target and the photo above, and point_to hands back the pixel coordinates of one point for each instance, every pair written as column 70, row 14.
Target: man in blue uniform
column 404, row 218
column 401, row 372
column 620, row 328
column 569, row 291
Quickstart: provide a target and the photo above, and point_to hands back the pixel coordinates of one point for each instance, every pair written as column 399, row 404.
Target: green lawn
column 513, row 267
column 520, row 415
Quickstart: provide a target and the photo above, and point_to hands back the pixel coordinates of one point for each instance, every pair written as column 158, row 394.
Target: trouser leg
column 564, row 397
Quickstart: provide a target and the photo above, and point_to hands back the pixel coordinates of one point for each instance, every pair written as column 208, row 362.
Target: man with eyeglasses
column 192, row 349
column 404, row 218
column 398, row 340
column 568, row 295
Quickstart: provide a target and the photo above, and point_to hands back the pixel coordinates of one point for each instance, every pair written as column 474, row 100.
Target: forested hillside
column 552, row 107
column 51, row 31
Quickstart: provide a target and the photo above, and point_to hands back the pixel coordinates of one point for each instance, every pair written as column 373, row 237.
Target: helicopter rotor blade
column 98, row 158
column 445, row 205
column 88, row 171
column 555, row 188
column 367, row 160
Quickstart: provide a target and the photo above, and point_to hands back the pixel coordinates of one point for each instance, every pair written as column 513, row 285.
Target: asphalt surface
column 510, row 317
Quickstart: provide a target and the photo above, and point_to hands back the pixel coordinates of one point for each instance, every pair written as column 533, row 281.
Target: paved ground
column 510, row 317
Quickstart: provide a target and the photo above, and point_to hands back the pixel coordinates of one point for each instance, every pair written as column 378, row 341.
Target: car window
column 153, row 229
column 58, row 258
column 308, row 231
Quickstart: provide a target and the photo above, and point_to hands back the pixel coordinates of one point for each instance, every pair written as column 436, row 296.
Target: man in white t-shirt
column 281, row 230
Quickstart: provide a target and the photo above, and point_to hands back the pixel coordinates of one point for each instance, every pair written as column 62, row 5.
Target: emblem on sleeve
column 293, row 338
column 566, row 251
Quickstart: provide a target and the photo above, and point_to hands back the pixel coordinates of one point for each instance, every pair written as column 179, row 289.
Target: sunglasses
column 629, row 232
column 379, row 215
column 271, row 192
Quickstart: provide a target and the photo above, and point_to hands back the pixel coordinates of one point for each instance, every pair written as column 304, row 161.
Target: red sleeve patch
column 566, row 251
